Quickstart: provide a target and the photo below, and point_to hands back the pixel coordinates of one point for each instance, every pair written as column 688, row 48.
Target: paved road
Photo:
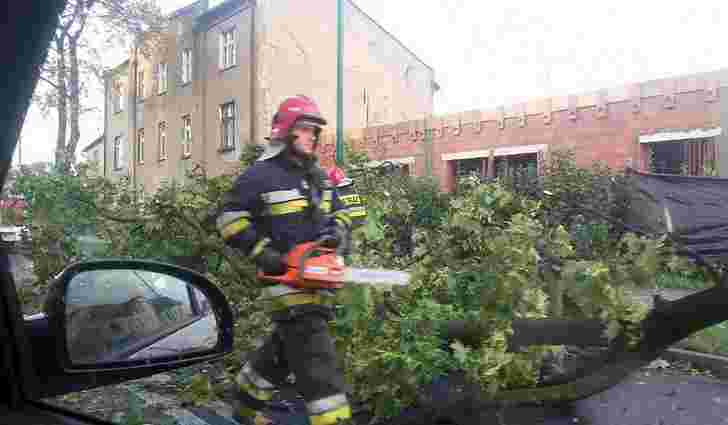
column 648, row 398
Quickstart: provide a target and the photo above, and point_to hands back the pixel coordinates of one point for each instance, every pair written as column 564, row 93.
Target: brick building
column 678, row 121
column 211, row 85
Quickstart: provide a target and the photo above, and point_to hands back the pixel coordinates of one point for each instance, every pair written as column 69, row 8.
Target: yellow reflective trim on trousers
column 330, row 418
column 234, row 228
column 285, row 301
column 343, row 216
column 357, row 212
column 259, row 247
column 289, row 207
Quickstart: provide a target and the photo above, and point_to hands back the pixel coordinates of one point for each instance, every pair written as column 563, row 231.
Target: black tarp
column 695, row 209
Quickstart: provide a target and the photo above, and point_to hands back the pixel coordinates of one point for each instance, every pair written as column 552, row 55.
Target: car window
column 107, row 287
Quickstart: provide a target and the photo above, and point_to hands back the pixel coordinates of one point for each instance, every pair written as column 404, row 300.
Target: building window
column 140, row 85
column 162, row 141
column 696, row 157
column 162, row 70
column 520, row 166
column 186, row 66
column 140, row 146
column 186, row 136
column 117, row 153
column 365, row 107
column 228, row 49
column 227, row 124
column 118, row 97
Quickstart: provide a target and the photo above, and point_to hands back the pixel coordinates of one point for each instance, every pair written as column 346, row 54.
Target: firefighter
column 282, row 200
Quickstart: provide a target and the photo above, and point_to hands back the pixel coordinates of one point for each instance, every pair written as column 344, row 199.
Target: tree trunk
column 62, row 108
column 527, row 332
column 75, row 103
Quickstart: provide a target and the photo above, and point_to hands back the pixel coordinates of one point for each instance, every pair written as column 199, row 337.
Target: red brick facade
column 599, row 126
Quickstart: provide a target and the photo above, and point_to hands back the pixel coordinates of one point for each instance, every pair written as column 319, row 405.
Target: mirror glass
column 117, row 315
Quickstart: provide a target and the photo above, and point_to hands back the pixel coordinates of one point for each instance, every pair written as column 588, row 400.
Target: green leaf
column 460, row 351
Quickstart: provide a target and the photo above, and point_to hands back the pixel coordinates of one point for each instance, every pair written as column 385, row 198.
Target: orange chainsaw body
column 311, row 266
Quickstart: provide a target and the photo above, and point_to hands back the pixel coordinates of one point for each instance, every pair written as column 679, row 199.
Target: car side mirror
column 105, row 317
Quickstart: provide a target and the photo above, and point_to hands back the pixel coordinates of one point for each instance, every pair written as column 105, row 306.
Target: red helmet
column 336, row 175
column 294, row 111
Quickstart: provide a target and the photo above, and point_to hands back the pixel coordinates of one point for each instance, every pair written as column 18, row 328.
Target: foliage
column 680, row 280
column 199, row 391
column 712, row 340
column 496, row 255
column 490, row 253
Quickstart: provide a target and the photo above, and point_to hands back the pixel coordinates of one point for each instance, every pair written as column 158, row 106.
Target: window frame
column 226, row 147
column 186, row 66
column 116, row 153
column 140, row 140
column 162, row 80
column 140, row 89
column 162, row 141
column 186, row 136
column 228, row 48
column 117, row 97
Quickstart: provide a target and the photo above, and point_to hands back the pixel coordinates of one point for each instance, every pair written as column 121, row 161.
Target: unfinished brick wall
column 602, row 126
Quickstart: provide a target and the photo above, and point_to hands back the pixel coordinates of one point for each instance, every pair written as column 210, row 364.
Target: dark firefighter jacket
column 280, row 204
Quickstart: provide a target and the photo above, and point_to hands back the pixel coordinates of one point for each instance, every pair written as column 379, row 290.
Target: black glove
column 333, row 237
column 271, row 262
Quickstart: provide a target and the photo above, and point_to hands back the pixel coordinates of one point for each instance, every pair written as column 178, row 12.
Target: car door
column 34, row 353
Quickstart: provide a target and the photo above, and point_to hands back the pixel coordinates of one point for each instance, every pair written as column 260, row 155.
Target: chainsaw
column 310, row 265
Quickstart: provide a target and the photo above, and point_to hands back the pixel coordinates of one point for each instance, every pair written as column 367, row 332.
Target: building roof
column 184, row 10
column 93, row 144
column 222, row 10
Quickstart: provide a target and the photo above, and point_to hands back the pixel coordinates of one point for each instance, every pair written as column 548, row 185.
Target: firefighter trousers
column 301, row 344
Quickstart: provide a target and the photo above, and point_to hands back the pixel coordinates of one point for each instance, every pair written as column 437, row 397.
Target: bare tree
column 73, row 66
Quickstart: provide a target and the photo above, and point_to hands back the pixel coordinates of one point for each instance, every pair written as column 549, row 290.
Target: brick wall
column 602, row 126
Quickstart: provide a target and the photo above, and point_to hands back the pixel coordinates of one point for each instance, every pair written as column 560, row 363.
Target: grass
column 680, row 281
column 713, row 340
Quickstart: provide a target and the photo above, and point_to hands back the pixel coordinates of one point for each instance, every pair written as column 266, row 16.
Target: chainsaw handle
column 308, row 253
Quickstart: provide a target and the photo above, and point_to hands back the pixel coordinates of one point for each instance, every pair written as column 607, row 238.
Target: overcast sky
column 491, row 53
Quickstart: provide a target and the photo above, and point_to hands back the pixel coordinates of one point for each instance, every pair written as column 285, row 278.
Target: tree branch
column 203, row 234
column 114, row 216
column 49, row 82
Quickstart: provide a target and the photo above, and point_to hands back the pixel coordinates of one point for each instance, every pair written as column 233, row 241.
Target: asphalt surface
column 645, row 398
column 649, row 398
